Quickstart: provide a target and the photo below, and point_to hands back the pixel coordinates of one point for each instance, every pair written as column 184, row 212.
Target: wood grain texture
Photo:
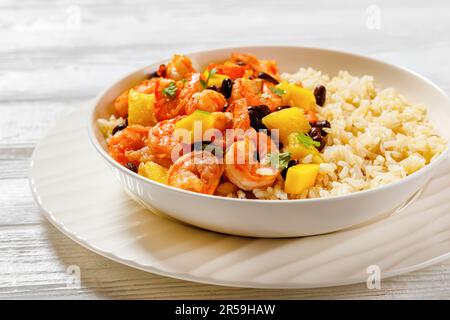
column 56, row 56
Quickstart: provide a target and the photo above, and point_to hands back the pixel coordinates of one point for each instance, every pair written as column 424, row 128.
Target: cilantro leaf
column 307, row 141
column 277, row 91
column 211, row 73
column 278, row 160
column 170, row 90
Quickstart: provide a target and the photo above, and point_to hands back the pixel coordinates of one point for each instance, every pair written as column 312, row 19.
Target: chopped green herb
column 278, row 160
column 277, row 91
column 170, row 90
column 307, row 141
column 211, row 73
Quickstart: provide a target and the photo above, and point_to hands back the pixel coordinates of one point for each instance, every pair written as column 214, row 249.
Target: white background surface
column 56, row 55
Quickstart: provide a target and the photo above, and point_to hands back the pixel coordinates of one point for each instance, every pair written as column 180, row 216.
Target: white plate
column 66, row 172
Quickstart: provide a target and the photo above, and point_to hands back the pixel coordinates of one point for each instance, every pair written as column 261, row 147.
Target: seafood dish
column 240, row 128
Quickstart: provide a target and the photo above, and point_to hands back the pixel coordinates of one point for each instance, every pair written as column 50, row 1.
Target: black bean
column 119, row 128
column 280, row 145
column 315, row 132
column 281, row 108
column 322, row 124
column 322, row 144
column 290, row 164
column 256, row 113
column 267, row 77
column 226, row 88
column 249, row 195
column 161, row 72
column 262, row 109
column 320, row 92
column 241, row 63
column 320, row 140
column 212, row 88
column 131, row 166
column 202, row 145
column 256, row 156
column 255, row 120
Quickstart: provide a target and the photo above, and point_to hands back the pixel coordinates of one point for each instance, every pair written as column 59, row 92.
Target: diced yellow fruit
column 200, row 121
column 153, row 171
column 296, row 96
column 298, row 150
column 141, row 108
column 300, row 177
column 215, row 79
column 287, row 121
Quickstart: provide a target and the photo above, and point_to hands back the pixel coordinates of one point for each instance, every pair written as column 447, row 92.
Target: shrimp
column 161, row 141
column 191, row 86
column 244, row 170
column 241, row 119
column 231, row 70
column 131, row 138
column 248, row 89
column 222, row 120
column 266, row 66
column 166, row 105
column 179, row 67
column 121, row 102
column 269, row 98
column 198, row 171
column 255, row 92
column 206, row 100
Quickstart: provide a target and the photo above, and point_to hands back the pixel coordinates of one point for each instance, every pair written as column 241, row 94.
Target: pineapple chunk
column 300, row 177
column 296, row 96
column 141, row 108
column 197, row 123
column 287, row 121
column 153, row 171
column 298, row 150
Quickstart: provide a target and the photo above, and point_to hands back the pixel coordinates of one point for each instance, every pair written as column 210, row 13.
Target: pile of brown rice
column 376, row 137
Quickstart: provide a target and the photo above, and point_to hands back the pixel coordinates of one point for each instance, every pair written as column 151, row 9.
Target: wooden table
column 56, row 56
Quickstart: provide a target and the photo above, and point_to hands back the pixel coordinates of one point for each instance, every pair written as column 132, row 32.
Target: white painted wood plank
column 50, row 65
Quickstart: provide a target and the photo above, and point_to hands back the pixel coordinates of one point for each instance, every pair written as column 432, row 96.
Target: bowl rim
column 92, row 136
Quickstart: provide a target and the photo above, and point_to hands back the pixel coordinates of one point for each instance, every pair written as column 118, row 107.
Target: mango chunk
column 141, row 108
column 298, row 150
column 215, row 79
column 153, row 171
column 287, row 121
column 296, row 96
column 300, row 177
column 197, row 123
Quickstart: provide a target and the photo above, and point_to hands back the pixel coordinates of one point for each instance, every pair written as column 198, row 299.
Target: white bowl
column 277, row 218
